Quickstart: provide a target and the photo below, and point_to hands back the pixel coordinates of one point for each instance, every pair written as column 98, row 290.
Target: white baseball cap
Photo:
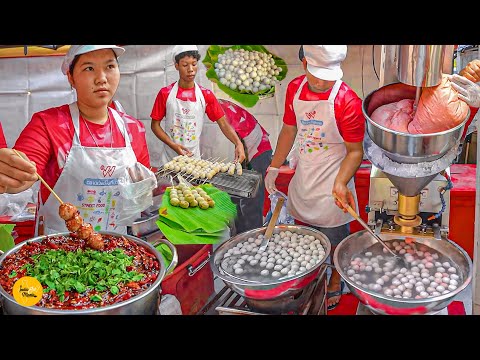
column 82, row 49
column 178, row 49
column 323, row 61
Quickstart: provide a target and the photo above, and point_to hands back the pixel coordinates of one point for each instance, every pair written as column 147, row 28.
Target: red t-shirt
column 243, row 122
column 3, row 142
column 212, row 107
column 347, row 107
column 48, row 136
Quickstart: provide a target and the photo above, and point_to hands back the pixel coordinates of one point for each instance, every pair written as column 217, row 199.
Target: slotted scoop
column 398, row 259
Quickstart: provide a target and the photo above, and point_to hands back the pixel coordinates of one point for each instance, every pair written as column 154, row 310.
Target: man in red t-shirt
column 3, row 142
column 83, row 150
column 324, row 116
column 259, row 155
column 181, row 108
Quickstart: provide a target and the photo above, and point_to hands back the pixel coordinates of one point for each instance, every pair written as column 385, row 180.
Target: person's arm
column 348, row 168
column 285, row 141
column 162, row 135
column 16, row 174
column 231, row 135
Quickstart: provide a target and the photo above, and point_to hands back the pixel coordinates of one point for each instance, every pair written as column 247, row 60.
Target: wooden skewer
column 41, row 179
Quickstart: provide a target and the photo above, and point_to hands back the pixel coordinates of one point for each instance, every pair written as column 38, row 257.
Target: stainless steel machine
column 409, row 181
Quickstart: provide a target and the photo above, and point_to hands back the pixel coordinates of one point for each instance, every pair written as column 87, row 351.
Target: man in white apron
column 83, row 150
column 324, row 116
column 467, row 85
column 179, row 110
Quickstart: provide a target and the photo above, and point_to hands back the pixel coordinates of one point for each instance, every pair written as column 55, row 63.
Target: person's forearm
column 161, row 134
column 349, row 166
column 285, row 141
column 228, row 131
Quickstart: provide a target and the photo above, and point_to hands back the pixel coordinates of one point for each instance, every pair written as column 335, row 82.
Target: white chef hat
column 178, row 49
column 82, row 49
column 323, row 61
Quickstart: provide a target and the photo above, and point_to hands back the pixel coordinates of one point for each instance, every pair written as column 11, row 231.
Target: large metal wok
column 386, row 305
column 145, row 303
column 274, row 295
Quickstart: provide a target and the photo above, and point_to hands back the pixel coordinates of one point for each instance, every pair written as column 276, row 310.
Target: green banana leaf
column 6, row 238
column 244, row 97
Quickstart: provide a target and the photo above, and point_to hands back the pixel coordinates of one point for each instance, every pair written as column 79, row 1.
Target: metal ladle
column 400, row 260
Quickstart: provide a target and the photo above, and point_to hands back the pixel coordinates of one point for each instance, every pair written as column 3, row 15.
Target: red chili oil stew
column 76, row 277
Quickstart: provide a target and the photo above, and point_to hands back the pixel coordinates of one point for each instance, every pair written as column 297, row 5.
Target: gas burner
column 311, row 301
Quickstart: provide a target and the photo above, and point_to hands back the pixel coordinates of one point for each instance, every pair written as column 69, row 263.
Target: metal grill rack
column 228, row 302
column 245, row 185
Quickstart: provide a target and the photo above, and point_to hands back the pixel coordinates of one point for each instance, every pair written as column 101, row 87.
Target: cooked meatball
column 74, row 223
column 67, row 211
column 95, row 241
column 85, row 230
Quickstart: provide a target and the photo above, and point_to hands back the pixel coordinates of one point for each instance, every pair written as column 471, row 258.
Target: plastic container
column 192, row 280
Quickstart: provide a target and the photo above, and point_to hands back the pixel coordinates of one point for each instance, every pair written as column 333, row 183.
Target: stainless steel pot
column 402, row 147
column 145, row 303
column 386, row 305
column 276, row 291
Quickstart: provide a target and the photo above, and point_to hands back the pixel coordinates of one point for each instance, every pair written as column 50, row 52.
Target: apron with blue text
column 89, row 181
column 321, row 150
column 183, row 123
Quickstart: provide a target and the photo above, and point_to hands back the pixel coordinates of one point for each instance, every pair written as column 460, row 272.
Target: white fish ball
column 451, row 287
column 452, row 270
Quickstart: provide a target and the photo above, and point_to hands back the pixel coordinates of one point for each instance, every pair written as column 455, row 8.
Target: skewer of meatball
column 83, row 230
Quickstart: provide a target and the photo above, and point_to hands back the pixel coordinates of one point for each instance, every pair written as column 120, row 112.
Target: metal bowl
column 145, row 303
column 386, row 305
column 273, row 295
column 402, row 147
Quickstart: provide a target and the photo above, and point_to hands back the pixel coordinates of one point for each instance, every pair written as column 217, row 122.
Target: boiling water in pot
column 288, row 254
column 429, row 274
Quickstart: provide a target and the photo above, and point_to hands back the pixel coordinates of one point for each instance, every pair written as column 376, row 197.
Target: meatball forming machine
column 409, row 181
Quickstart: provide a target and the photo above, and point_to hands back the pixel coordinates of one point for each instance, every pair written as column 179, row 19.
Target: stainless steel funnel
column 403, row 147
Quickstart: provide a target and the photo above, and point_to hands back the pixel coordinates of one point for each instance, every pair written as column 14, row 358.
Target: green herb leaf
column 96, row 297
column 12, row 274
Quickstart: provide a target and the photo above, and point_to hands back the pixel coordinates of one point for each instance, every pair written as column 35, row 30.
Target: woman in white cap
column 183, row 104
column 81, row 149
column 325, row 116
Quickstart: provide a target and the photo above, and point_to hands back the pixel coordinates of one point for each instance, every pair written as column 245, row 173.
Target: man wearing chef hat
column 183, row 104
column 324, row 115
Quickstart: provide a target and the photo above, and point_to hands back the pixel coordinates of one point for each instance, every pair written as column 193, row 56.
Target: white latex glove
column 270, row 178
column 467, row 90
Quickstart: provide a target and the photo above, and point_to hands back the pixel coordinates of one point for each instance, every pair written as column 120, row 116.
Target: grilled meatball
column 67, row 211
column 85, row 230
column 74, row 223
column 95, row 241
